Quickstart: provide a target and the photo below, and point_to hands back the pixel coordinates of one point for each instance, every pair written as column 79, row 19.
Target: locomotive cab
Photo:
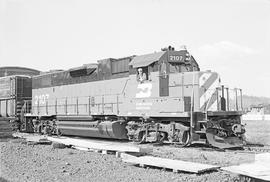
column 182, row 96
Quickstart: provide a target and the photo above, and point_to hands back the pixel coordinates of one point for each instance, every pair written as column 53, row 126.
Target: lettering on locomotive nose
column 144, row 90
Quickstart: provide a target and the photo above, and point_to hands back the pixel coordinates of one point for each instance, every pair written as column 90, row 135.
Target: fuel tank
column 84, row 126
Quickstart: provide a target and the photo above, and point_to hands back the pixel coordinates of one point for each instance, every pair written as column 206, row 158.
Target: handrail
column 236, row 106
column 86, row 96
column 125, row 86
column 192, row 107
column 241, row 98
column 206, row 109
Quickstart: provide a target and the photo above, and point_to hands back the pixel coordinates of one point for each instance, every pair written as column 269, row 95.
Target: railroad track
column 257, row 148
column 249, row 148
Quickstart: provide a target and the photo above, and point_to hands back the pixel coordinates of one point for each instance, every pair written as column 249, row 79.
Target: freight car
column 16, row 70
column 157, row 97
column 15, row 91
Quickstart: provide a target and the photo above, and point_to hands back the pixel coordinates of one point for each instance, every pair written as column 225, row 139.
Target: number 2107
column 176, row 58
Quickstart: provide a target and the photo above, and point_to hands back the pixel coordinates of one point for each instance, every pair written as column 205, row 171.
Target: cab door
column 163, row 80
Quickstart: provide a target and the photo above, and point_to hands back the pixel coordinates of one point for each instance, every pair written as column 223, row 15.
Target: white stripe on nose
column 203, row 78
column 209, row 91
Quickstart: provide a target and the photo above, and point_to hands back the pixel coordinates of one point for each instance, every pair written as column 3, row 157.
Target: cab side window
column 142, row 74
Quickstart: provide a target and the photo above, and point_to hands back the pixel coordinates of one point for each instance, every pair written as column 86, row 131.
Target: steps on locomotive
column 19, row 107
column 200, row 141
column 201, row 131
column 200, row 134
column 202, row 121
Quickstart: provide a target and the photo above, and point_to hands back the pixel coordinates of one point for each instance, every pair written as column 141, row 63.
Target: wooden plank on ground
column 263, row 158
column 260, row 169
column 100, row 144
column 21, row 135
column 33, row 138
column 175, row 165
column 81, row 148
column 38, row 140
column 254, row 170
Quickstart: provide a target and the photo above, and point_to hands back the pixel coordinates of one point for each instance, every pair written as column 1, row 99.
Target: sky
column 231, row 37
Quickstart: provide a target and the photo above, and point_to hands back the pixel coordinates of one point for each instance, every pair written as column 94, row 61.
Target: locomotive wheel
column 186, row 138
column 142, row 137
column 58, row 132
column 183, row 138
column 162, row 137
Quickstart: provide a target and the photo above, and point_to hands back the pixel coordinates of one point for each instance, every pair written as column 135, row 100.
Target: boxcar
column 14, row 91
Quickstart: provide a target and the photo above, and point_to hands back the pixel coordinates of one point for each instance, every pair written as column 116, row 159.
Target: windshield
column 177, row 68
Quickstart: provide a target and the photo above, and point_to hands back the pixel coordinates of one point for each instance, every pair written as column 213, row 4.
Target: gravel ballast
column 22, row 162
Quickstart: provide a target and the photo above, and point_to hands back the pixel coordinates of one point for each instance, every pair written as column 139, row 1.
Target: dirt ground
column 23, row 162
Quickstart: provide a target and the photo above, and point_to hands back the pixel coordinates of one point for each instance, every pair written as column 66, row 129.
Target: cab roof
column 146, row 59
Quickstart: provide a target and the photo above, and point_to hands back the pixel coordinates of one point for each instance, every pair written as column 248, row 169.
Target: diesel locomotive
column 158, row 97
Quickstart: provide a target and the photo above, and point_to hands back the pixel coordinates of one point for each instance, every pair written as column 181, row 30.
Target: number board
column 176, row 58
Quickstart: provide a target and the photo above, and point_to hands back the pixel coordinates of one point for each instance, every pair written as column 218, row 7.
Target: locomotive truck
column 174, row 103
